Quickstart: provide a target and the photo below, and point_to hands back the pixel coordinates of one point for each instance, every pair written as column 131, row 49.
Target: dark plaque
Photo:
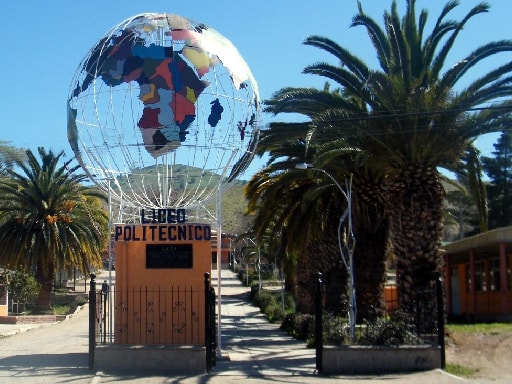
column 168, row 256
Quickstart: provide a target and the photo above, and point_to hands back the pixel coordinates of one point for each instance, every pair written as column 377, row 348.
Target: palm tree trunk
column 415, row 212
column 45, row 277
column 323, row 255
column 370, row 272
column 290, row 277
column 371, row 229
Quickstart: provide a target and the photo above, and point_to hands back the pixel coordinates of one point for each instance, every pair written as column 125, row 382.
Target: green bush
column 393, row 331
column 397, row 330
column 336, row 330
column 299, row 325
column 264, row 299
column 243, row 276
column 274, row 312
column 270, row 304
column 23, row 287
column 289, row 303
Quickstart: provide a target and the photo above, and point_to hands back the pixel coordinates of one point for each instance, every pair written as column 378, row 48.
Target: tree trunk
column 370, row 272
column 323, row 255
column 290, row 277
column 416, row 205
column 371, row 230
column 45, row 277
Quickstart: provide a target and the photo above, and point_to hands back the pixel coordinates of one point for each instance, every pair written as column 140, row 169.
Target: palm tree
column 50, row 220
column 304, row 227
column 322, row 146
column 370, row 224
column 321, row 201
column 413, row 115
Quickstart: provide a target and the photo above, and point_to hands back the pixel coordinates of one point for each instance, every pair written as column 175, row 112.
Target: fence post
column 440, row 319
column 104, row 298
column 92, row 319
column 319, row 324
column 207, row 322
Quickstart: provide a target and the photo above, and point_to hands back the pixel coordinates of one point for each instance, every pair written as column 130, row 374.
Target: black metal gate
column 181, row 313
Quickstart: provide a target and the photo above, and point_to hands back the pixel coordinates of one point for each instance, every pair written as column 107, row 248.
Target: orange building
column 159, row 292
column 226, row 246
column 478, row 276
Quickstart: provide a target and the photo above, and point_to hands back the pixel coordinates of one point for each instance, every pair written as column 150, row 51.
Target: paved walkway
column 252, row 350
column 250, row 345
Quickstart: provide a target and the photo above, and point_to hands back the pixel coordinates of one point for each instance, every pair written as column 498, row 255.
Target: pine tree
column 499, row 190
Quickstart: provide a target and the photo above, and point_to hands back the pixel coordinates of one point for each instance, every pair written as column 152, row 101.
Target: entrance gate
column 167, row 317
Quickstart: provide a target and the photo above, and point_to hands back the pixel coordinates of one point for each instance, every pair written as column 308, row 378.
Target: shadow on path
column 252, row 346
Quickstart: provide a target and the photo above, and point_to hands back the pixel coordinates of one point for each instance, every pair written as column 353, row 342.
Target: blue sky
column 44, row 41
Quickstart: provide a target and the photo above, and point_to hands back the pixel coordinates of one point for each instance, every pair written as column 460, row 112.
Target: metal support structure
column 219, row 268
column 440, row 319
column 110, row 226
column 319, row 342
column 92, row 319
column 207, row 321
column 219, row 252
column 259, row 269
column 350, row 242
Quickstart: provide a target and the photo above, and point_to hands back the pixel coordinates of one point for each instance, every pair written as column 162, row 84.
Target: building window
column 494, row 275
column 480, row 280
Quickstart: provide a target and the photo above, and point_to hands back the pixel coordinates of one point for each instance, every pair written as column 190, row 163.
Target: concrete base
column 156, row 358
column 361, row 359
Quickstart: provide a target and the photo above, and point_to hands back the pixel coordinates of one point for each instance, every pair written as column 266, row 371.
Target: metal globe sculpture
column 163, row 112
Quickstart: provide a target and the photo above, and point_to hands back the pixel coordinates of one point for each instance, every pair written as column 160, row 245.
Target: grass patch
column 486, row 328
column 460, row 370
column 62, row 302
column 64, row 309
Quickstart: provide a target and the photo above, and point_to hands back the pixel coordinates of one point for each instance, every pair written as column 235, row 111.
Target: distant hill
column 234, row 204
column 233, row 201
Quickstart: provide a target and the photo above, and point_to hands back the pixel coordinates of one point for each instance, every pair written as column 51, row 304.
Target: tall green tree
column 467, row 206
column 470, row 173
column 308, row 238
column 50, row 219
column 499, row 190
column 9, row 155
column 370, row 225
column 417, row 117
column 321, row 202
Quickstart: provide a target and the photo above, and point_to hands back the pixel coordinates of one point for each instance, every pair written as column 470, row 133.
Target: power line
column 375, row 115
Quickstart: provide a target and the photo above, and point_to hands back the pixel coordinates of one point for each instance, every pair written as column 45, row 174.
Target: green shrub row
column 271, row 303
column 393, row 330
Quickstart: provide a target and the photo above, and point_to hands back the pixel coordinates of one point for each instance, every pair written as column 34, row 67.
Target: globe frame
column 103, row 120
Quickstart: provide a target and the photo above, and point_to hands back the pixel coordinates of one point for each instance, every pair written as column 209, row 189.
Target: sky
column 44, row 41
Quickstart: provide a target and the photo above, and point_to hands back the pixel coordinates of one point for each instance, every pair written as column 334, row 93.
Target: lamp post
column 258, row 265
column 348, row 260
column 109, row 297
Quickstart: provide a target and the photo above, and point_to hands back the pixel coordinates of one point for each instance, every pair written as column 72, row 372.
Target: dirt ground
column 488, row 353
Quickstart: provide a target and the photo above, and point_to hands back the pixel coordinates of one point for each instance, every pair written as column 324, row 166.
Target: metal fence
column 422, row 323
column 149, row 316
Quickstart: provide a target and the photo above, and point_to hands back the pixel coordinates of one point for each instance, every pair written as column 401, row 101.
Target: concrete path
column 252, row 350
column 250, row 345
column 53, row 353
